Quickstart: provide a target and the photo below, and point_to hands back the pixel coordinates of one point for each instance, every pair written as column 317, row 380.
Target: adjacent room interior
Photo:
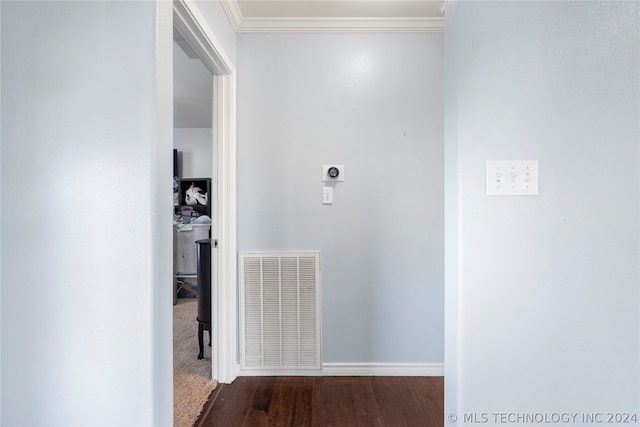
column 194, row 232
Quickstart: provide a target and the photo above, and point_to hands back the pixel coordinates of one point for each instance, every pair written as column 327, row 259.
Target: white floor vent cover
column 280, row 311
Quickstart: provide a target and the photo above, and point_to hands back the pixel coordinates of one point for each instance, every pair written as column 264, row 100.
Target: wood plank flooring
column 326, row 402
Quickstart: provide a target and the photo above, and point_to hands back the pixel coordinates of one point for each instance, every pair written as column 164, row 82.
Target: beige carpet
column 192, row 383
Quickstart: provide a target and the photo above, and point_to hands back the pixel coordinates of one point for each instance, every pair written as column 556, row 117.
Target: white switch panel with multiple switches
column 512, row 177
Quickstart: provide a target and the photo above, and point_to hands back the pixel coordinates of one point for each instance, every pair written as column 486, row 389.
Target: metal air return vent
column 280, row 310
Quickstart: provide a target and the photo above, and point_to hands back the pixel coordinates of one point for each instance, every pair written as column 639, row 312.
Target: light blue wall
column 217, row 19
column 543, row 308
column 375, row 104
column 85, row 322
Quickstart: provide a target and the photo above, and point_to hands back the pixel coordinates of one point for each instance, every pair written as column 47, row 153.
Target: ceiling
column 335, row 15
column 192, row 87
column 339, row 9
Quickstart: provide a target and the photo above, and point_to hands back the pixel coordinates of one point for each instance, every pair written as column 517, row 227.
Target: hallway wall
column 85, row 322
column 542, row 292
column 373, row 103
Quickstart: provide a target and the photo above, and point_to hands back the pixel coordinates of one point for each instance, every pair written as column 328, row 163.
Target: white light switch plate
column 512, row 177
column 327, row 195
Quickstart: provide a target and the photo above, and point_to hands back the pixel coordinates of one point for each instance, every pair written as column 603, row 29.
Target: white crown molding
column 341, row 25
column 329, row 25
column 356, row 370
column 233, row 12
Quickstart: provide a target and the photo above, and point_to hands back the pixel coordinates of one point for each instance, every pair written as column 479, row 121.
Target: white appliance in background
column 185, row 254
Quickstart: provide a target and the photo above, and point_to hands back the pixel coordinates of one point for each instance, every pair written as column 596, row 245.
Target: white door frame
column 189, row 21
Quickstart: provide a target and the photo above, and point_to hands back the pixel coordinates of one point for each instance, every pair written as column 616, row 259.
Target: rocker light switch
column 512, row 177
column 327, row 195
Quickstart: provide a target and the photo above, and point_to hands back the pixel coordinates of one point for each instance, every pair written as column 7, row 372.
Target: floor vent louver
column 280, row 310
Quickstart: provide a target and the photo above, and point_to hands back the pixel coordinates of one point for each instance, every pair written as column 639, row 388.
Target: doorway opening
column 190, row 28
column 194, row 230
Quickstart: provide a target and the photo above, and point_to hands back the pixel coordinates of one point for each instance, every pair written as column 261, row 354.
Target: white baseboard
column 355, row 370
column 384, row 369
column 279, row 372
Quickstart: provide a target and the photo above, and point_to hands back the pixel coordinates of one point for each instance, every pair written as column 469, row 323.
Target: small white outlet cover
column 512, row 177
column 325, row 173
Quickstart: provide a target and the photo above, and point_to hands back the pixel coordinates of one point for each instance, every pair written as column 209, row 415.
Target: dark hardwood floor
column 326, row 402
